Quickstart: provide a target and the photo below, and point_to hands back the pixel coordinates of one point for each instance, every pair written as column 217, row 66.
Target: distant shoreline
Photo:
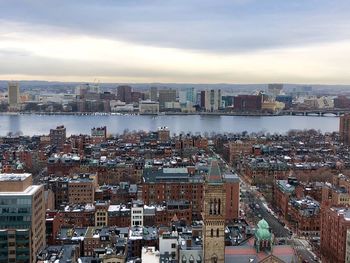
column 248, row 114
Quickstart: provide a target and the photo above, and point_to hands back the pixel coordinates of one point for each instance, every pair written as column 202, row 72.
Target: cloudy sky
column 183, row 41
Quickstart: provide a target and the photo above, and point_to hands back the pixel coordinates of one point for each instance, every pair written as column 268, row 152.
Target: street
column 255, row 208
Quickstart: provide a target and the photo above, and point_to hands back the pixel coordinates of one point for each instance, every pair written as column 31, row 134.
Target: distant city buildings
column 124, row 94
column 148, row 107
column 278, row 99
column 275, row 89
column 13, row 94
column 153, row 94
column 211, row 100
column 166, row 95
column 247, row 103
column 344, row 128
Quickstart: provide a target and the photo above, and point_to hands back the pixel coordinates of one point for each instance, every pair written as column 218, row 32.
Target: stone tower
column 214, row 216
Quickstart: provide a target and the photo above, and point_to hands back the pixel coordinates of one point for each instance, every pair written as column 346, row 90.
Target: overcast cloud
column 249, row 41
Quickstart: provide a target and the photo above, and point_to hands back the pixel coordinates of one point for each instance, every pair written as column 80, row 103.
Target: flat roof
column 10, row 177
column 30, row 190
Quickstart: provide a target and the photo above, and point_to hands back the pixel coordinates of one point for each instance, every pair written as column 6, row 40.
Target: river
column 41, row 124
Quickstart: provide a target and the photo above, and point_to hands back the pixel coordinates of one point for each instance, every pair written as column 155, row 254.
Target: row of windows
column 14, row 219
column 15, row 210
column 15, row 201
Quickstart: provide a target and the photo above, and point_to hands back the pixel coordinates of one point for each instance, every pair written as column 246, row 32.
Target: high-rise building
column 124, row 93
column 202, row 99
column 13, row 93
column 335, row 221
column 153, row 94
column 22, row 218
column 232, row 196
column 344, row 128
column 275, row 89
column 187, row 95
column 212, row 100
column 214, row 216
column 166, row 95
column 58, row 137
column 341, row 102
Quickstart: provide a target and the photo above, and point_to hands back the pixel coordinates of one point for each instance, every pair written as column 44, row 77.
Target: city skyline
column 241, row 41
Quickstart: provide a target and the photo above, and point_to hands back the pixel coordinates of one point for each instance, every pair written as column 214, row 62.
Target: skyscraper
column 344, row 128
column 13, row 93
column 275, row 89
column 153, row 94
column 22, row 218
column 212, row 100
column 124, row 93
column 166, row 95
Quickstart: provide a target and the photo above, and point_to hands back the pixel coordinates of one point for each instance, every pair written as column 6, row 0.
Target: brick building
column 282, row 192
column 231, row 185
column 236, row 149
column 247, row 103
column 304, row 215
column 172, row 184
column 344, row 128
column 335, row 221
column 58, row 137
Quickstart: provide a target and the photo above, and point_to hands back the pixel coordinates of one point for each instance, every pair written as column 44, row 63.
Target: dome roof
column 263, row 224
column 263, row 232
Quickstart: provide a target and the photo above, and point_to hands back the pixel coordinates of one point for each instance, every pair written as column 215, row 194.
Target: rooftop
column 7, row 177
column 342, row 211
column 306, row 206
column 284, row 186
column 27, row 192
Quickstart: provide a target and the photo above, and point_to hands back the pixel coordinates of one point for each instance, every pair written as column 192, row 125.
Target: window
column 212, row 232
column 217, row 232
column 173, row 245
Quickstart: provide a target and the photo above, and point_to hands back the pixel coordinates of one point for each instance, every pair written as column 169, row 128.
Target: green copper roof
column 263, row 232
column 214, row 175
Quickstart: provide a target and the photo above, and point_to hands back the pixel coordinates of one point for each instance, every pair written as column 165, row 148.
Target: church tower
column 214, row 216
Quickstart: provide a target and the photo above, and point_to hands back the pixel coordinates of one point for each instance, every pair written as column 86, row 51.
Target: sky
column 179, row 41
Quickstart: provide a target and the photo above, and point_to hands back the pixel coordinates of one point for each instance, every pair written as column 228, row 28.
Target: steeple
column 214, row 216
column 214, row 174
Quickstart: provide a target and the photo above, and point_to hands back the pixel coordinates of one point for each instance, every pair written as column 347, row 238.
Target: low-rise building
column 282, row 192
column 304, row 214
column 148, row 107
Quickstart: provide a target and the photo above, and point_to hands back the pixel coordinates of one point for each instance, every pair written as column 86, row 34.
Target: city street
column 255, row 209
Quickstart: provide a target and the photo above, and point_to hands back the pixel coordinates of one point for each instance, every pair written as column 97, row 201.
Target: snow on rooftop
column 4, row 177
column 113, row 208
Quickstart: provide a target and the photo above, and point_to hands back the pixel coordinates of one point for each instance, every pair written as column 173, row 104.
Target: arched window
column 212, row 232
column 210, row 207
column 215, row 207
column 217, row 232
column 219, row 207
column 214, row 258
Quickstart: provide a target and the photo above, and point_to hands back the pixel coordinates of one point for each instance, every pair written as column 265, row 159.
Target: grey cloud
column 214, row 26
